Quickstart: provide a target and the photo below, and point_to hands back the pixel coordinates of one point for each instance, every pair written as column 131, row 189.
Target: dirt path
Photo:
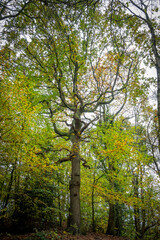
column 60, row 236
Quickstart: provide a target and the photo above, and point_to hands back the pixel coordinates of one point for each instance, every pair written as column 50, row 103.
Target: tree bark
column 59, row 205
column 75, row 187
column 111, row 220
column 136, row 209
column 158, row 99
column 9, row 187
column 93, row 207
column 154, row 43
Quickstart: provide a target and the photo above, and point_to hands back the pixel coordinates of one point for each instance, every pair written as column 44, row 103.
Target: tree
column 122, row 155
column 28, row 181
column 73, row 64
column 113, row 151
column 146, row 12
column 12, row 9
column 68, row 59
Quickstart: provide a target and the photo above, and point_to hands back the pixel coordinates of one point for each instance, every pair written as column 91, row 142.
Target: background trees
column 146, row 34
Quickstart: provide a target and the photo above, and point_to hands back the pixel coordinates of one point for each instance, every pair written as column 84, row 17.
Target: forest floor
column 54, row 235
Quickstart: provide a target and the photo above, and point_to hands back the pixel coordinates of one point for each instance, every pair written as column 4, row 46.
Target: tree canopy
column 79, row 132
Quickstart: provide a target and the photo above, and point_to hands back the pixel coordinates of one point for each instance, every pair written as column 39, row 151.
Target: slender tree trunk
column 59, row 205
column 3, row 183
column 9, row 188
column 111, row 220
column 154, row 42
column 137, row 223
column 158, row 99
column 93, row 210
column 136, row 209
column 75, row 187
column 143, row 211
column 17, row 182
column 118, row 219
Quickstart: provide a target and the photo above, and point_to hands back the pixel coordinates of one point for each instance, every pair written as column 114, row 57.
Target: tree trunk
column 75, row 187
column 9, row 187
column 158, row 99
column 93, row 209
column 137, row 223
column 111, row 220
column 136, row 209
column 154, row 42
column 59, row 205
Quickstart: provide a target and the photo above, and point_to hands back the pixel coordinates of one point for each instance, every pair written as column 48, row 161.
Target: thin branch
column 13, row 15
column 87, row 125
column 84, row 163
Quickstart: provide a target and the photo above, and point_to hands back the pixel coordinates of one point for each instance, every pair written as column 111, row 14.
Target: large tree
column 69, row 55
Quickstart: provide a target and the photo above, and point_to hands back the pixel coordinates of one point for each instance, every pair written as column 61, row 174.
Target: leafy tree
column 123, row 158
column 64, row 64
column 76, row 72
column 12, row 9
column 146, row 33
column 28, row 181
